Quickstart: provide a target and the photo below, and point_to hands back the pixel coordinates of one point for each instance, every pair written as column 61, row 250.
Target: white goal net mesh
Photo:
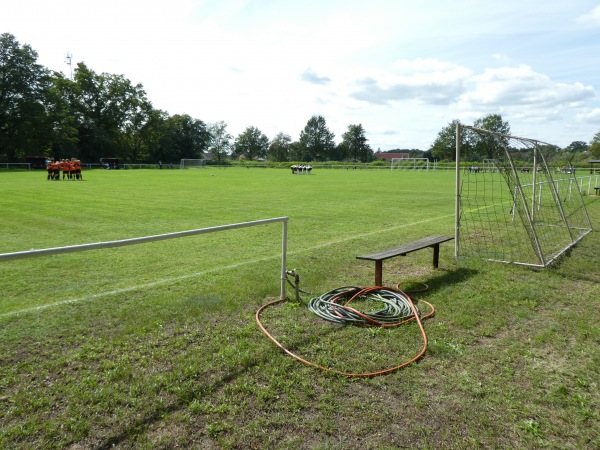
column 192, row 163
column 410, row 164
column 512, row 208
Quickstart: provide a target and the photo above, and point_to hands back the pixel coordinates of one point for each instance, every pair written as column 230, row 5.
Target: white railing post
column 283, row 258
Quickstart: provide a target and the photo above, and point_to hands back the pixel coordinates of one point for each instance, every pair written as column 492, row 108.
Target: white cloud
column 402, row 69
column 427, row 81
column 521, row 86
column 504, row 59
column 592, row 17
column 591, row 116
column 310, row 76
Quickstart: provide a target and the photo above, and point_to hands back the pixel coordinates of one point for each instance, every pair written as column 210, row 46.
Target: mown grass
column 155, row 346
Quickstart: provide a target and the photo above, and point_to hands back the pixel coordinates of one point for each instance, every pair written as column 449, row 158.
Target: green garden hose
column 333, row 306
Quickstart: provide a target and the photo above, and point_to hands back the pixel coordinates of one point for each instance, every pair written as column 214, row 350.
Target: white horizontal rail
column 160, row 237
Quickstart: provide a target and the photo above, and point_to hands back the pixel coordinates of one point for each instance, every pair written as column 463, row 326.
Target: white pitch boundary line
column 134, row 288
column 216, row 269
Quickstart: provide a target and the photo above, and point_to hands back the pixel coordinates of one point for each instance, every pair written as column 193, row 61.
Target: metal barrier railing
column 160, row 237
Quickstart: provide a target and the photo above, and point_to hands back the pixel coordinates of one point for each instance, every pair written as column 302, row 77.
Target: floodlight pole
column 68, row 59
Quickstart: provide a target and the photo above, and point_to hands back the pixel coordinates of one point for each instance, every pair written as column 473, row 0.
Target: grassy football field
column 156, row 346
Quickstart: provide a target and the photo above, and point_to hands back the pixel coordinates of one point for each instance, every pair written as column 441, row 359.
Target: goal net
column 410, row 164
column 518, row 212
column 192, row 163
column 489, row 165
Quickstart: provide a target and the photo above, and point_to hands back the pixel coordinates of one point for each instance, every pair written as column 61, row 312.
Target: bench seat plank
column 433, row 241
column 428, row 241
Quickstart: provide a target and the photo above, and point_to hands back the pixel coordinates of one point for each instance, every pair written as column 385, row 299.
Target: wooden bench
column 433, row 241
column 597, row 188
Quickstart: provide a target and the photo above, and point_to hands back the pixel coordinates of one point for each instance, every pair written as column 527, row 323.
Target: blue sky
column 403, row 70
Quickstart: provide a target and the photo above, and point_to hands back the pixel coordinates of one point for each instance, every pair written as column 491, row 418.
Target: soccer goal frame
column 161, row 237
column 511, row 215
column 410, row 164
column 188, row 163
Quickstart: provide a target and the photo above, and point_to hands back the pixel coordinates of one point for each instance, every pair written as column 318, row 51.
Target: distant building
column 390, row 156
column 207, row 156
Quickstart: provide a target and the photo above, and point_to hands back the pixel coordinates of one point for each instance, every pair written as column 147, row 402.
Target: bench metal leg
column 436, row 255
column 378, row 273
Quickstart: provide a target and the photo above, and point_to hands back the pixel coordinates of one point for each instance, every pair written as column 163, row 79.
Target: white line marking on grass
column 134, row 288
column 216, row 269
column 370, row 233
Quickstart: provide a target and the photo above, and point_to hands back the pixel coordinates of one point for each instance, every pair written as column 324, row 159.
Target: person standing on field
column 50, row 169
column 77, row 169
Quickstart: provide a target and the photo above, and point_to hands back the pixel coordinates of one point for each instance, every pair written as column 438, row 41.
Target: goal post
column 410, row 164
column 192, row 163
column 510, row 214
column 160, row 237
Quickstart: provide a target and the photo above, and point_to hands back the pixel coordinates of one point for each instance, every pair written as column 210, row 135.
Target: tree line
column 476, row 147
column 96, row 115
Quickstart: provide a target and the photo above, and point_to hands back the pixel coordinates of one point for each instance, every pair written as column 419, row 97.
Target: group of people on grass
column 70, row 168
column 301, row 169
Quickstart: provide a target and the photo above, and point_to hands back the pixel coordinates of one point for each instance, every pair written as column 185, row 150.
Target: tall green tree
column 485, row 146
column 595, row 145
column 316, row 141
column 444, row 146
column 577, row 146
column 139, row 116
column 61, row 132
column 473, row 146
column 296, row 151
column 154, row 135
column 24, row 86
column 220, row 141
column 279, row 149
column 184, row 137
column 107, row 107
column 251, row 144
column 355, row 146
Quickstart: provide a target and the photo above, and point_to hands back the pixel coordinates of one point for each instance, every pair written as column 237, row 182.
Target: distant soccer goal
column 192, row 164
column 489, row 165
column 515, row 215
column 410, row 164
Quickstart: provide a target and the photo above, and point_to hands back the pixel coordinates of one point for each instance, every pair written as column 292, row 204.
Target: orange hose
column 415, row 317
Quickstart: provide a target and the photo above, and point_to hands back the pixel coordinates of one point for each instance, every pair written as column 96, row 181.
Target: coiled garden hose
column 333, row 306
